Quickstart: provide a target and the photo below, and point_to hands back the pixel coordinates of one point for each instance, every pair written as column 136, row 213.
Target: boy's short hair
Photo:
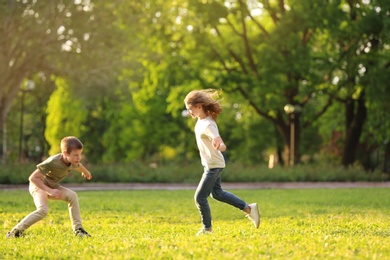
column 70, row 143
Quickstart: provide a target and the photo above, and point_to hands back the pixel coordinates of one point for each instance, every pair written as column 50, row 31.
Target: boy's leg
column 73, row 206
column 41, row 202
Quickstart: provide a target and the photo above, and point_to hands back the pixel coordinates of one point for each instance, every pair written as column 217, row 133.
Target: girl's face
column 74, row 157
column 195, row 111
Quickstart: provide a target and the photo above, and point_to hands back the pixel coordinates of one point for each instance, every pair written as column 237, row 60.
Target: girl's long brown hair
column 205, row 98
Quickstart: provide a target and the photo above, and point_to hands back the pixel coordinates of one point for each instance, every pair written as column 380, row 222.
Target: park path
column 226, row 185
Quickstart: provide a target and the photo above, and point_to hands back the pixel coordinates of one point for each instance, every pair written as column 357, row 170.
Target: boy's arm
column 84, row 172
column 36, row 179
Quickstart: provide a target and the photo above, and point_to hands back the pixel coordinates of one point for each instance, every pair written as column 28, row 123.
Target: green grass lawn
column 296, row 224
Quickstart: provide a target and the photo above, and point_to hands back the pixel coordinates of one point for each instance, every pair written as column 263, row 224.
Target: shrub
column 192, row 172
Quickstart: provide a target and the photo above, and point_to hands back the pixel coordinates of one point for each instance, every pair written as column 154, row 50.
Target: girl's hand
column 218, row 144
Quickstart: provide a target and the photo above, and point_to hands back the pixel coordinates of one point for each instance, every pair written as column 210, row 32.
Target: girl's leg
column 251, row 210
column 203, row 191
column 224, row 196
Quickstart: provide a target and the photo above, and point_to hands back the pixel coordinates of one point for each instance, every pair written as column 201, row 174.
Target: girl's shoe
column 254, row 215
column 204, row 231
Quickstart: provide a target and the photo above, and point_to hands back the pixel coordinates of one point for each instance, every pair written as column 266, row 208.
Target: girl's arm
column 218, row 144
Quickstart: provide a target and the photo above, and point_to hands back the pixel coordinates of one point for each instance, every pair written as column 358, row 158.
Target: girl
column 200, row 104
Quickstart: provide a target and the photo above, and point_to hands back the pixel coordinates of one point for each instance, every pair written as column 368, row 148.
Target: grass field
column 296, row 224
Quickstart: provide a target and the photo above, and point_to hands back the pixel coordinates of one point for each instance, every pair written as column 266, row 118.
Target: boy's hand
column 84, row 172
column 87, row 175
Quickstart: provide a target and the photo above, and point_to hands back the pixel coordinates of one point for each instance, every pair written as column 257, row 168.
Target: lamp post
column 291, row 111
column 28, row 86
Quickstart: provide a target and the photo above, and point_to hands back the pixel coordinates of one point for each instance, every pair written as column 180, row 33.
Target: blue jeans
column 211, row 183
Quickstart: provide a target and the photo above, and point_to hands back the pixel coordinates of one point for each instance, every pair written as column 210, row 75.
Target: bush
column 15, row 173
column 192, row 172
column 300, row 173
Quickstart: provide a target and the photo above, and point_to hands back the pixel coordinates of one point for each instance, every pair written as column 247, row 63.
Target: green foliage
column 249, row 138
column 191, row 172
column 15, row 173
column 300, row 173
column 129, row 65
column 65, row 116
column 149, row 224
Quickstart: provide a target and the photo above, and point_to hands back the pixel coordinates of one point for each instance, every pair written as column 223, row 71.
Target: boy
column 44, row 185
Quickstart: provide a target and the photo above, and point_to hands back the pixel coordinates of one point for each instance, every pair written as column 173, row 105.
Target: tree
column 74, row 40
column 66, row 116
column 132, row 63
column 277, row 53
column 266, row 53
column 36, row 35
column 361, row 66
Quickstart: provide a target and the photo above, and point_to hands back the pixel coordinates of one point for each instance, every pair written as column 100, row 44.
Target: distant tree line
column 301, row 81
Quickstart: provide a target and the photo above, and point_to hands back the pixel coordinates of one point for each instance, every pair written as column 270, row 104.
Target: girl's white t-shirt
column 206, row 130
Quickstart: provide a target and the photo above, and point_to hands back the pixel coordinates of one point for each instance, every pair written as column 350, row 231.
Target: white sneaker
column 254, row 215
column 204, row 232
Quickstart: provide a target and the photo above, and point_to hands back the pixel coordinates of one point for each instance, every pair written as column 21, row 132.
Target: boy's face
column 74, row 157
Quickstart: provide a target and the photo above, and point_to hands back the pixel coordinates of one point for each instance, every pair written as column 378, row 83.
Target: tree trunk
column 355, row 119
column 3, row 130
column 292, row 135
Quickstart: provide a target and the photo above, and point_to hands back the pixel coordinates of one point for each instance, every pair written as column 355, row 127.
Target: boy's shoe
column 254, row 215
column 14, row 233
column 204, row 231
column 80, row 232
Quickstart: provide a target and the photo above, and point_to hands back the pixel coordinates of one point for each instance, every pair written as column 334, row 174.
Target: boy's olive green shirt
column 54, row 170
